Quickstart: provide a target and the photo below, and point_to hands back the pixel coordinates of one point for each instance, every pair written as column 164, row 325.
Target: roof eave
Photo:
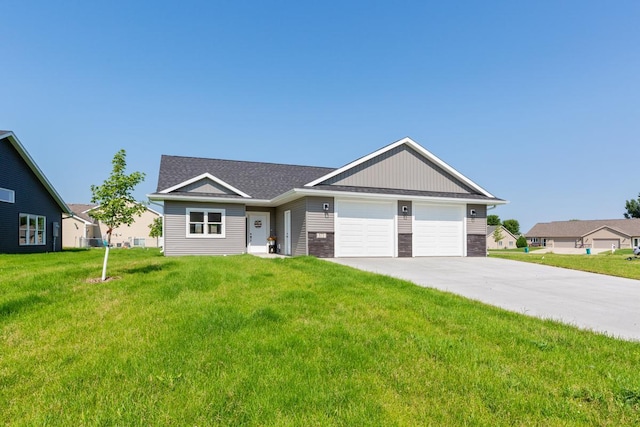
column 15, row 142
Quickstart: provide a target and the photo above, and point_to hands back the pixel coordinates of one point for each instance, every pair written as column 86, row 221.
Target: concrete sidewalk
column 606, row 304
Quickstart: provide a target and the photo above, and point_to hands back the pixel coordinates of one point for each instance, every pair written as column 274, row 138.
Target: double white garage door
column 368, row 229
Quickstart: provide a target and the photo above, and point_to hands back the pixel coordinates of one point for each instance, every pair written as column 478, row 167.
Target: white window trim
column 205, row 235
column 11, row 195
column 37, row 218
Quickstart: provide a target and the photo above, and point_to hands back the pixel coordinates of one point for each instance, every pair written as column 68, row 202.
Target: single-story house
column 399, row 201
column 598, row 233
column 30, row 207
column 81, row 230
column 507, row 242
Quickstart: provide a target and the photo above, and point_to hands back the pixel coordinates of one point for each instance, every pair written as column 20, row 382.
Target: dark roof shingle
column 258, row 180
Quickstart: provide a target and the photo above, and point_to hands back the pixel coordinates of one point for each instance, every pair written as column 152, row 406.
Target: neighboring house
column 81, row 230
column 399, row 201
column 508, row 241
column 30, row 208
column 599, row 233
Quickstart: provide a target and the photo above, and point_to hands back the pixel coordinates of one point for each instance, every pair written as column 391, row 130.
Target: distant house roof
column 17, row 145
column 81, row 211
column 579, row 228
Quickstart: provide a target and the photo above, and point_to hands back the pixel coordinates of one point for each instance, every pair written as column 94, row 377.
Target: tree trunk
column 106, row 255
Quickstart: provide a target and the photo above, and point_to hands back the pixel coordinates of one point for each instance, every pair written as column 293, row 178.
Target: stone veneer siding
column 405, row 245
column 476, row 245
column 322, row 247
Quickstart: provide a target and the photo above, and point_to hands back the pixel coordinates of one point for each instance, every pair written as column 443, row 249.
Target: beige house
column 508, row 242
column 81, row 230
column 598, row 234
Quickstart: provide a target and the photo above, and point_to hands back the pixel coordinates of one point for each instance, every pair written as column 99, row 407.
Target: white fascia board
column 77, row 218
column 205, row 176
column 15, row 142
column 206, row 199
column 410, row 142
column 354, row 195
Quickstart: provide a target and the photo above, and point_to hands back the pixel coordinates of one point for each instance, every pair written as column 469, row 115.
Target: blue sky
column 537, row 102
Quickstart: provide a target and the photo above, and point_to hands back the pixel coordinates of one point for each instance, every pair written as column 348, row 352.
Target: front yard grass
column 613, row 264
column 241, row 340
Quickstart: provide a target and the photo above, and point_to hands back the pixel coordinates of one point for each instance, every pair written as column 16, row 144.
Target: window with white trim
column 6, row 195
column 205, row 223
column 33, row 230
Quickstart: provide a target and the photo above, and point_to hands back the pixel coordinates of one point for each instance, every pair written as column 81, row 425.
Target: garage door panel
column 438, row 230
column 364, row 229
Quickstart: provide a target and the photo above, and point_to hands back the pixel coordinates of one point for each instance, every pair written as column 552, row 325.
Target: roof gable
column 12, row 139
column 205, row 183
column 404, row 165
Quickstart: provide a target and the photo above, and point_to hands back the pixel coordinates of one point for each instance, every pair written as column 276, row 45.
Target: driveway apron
column 606, row 304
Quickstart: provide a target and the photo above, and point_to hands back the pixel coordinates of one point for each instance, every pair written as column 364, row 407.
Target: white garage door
column 438, row 230
column 364, row 229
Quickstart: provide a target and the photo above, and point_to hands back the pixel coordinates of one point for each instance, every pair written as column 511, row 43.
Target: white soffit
column 411, row 143
column 205, row 176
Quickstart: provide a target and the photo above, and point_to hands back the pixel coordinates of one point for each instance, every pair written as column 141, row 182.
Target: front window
column 33, row 230
column 205, row 222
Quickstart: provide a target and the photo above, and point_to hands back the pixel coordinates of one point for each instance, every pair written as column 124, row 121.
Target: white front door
column 258, row 232
column 287, row 232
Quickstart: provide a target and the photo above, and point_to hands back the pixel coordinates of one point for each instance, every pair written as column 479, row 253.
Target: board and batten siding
column 477, row 224
column 175, row 230
column 401, row 167
column 207, row 186
column 298, row 226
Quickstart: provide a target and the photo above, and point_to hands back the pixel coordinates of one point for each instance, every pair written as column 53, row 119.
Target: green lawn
column 616, row 264
column 241, row 340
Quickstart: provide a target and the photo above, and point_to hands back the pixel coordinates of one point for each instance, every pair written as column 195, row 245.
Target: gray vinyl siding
column 404, row 219
column 177, row 243
column 317, row 219
column 31, row 197
column 298, row 226
column 400, row 168
column 206, row 186
column 477, row 224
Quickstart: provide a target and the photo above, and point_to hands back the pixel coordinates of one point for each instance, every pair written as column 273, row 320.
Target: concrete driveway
column 606, row 304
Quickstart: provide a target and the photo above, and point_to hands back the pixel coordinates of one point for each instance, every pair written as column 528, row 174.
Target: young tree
column 512, row 225
column 116, row 205
column 633, row 208
column 156, row 227
column 493, row 220
column 497, row 234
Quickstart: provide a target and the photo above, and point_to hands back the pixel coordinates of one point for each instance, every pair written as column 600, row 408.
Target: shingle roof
column 80, row 210
column 578, row 228
column 258, row 180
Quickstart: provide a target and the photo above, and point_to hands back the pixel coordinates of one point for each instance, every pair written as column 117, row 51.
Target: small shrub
column 521, row 242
